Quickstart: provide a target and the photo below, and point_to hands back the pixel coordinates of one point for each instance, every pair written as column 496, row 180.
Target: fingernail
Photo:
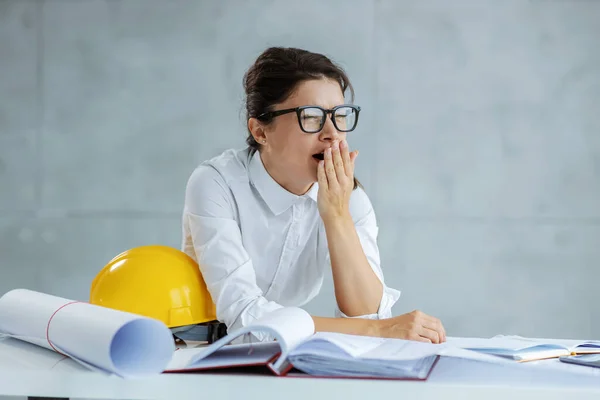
column 336, row 145
column 343, row 144
column 328, row 151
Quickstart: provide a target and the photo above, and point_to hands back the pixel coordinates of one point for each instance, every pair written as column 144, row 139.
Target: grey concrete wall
column 479, row 141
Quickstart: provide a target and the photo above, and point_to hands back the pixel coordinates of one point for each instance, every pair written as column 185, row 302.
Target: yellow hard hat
column 155, row 281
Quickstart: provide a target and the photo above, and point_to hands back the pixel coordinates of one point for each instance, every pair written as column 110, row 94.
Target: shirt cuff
column 388, row 299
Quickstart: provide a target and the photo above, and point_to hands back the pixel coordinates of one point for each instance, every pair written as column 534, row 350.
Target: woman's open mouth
column 318, row 156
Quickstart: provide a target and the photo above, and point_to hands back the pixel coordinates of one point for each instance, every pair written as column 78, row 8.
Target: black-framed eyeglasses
column 312, row 118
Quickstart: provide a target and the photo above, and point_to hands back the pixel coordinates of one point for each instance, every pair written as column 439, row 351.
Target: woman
column 265, row 223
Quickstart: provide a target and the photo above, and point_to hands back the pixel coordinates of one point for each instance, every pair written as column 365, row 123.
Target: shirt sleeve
column 365, row 223
column 213, row 238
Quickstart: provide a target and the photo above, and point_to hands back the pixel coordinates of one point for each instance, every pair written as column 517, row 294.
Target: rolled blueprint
column 125, row 344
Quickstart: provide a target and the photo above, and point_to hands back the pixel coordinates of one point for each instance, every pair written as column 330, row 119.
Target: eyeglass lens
column 312, row 119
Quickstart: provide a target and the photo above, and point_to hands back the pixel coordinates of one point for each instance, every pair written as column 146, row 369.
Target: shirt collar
column 277, row 198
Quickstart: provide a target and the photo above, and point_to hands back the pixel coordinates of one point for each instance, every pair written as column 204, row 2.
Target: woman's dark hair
column 275, row 75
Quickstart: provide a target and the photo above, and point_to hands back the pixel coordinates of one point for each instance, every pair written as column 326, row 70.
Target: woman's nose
column 329, row 132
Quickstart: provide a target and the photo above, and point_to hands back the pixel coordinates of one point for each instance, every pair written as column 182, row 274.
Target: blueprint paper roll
column 122, row 343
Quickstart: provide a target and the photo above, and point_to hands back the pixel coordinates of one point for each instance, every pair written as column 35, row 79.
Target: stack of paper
column 332, row 354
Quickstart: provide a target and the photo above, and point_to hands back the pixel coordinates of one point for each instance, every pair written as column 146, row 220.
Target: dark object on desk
column 47, row 398
column 589, row 360
column 206, row 332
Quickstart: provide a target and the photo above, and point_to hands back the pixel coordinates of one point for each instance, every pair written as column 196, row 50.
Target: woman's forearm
column 358, row 290
column 350, row 326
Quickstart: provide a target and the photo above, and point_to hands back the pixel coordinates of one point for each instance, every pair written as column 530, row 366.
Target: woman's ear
column 257, row 130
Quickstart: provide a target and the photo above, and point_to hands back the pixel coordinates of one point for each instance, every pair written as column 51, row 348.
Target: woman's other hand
column 414, row 325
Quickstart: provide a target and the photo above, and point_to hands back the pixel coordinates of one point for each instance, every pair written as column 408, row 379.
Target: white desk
column 27, row 370
column 21, row 382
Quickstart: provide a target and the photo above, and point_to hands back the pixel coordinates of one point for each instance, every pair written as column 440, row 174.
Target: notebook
column 298, row 349
column 523, row 349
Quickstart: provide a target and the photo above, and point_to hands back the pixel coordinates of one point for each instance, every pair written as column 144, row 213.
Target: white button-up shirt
column 260, row 247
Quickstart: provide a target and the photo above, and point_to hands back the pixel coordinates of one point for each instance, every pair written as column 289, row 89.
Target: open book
column 321, row 354
column 527, row 349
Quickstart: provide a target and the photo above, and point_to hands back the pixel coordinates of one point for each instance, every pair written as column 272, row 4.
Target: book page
column 398, row 349
column 347, row 347
column 562, row 342
column 504, row 343
column 513, row 348
column 366, row 347
column 353, row 345
column 289, row 325
column 336, row 354
column 227, row 356
column 579, row 345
